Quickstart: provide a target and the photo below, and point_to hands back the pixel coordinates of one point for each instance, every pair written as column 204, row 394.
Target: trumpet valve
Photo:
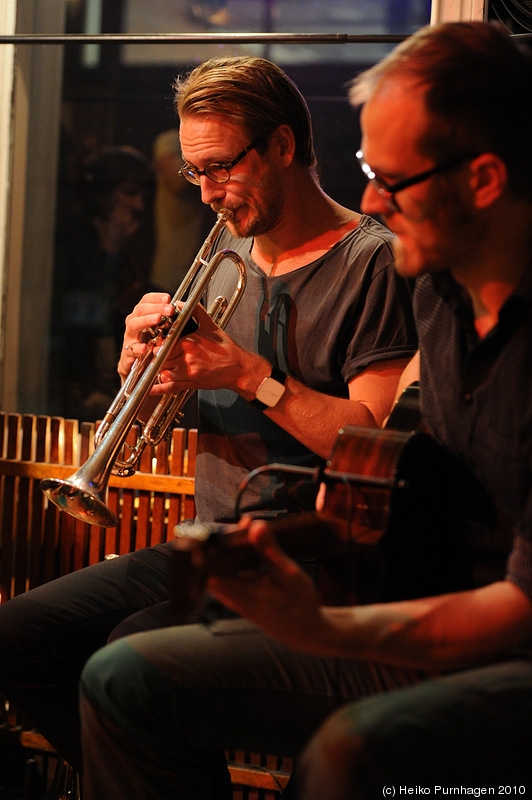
column 218, row 308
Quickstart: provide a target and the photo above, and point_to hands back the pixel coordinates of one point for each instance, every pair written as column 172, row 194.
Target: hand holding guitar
column 279, row 597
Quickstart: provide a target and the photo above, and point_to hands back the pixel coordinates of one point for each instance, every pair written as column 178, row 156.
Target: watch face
column 270, row 392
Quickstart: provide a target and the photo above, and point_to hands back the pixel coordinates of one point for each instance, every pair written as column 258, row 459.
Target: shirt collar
column 513, row 310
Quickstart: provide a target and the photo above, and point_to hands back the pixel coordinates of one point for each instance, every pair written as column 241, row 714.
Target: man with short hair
column 429, row 695
column 323, row 330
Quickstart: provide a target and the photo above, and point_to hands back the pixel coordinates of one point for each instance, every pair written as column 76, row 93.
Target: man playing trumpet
column 318, row 341
column 323, row 329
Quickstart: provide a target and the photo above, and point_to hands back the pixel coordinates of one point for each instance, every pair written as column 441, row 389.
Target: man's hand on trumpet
column 147, row 313
column 204, row 359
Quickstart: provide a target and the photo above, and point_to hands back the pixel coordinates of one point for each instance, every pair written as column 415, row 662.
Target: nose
column 210, row 190
column 372, row 202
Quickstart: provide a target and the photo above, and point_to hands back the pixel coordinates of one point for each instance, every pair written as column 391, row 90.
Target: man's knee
column 131, row 692
column 109, row 674
column 335, row 763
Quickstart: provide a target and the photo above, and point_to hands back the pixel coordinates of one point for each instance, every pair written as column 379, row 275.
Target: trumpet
column 83, row 495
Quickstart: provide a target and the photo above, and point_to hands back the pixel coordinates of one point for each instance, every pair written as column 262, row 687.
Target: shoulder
column 374, row 234
column 364, row 255
column 369, row 247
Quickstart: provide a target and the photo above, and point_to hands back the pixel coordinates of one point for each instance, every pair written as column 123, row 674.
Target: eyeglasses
column 388, row 191
column 220, row 173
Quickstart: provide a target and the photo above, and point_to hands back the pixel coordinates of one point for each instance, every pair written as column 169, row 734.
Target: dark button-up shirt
column 476, row 399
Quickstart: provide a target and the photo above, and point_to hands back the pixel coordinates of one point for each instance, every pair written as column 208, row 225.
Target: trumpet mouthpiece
column 225, row 214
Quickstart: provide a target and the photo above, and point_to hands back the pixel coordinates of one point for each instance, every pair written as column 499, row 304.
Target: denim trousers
column 47, row 636
column 162, row 700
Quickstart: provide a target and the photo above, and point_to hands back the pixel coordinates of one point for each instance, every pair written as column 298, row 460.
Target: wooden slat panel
column 189, row 506
column 248, row 775
column 36, row 547
column 158, row 509
column 143, row 498
column 39, row 542
column 176, row 467
column 263, row 775
column 7, row 563
column 52, row 517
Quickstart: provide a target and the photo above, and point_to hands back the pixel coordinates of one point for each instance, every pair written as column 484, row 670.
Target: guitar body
column 412, row 512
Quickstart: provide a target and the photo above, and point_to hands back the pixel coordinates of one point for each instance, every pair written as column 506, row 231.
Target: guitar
column 402, row 518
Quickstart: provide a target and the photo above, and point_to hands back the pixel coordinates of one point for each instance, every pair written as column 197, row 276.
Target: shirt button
column 468, row 399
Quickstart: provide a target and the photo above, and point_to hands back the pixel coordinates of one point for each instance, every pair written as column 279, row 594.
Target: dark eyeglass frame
column 193, row 174
column 388, row 191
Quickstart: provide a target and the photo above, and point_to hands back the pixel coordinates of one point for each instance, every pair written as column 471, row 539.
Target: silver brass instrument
column 83, row 495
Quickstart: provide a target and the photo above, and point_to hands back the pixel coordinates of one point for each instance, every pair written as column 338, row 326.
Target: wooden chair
column 39, row 543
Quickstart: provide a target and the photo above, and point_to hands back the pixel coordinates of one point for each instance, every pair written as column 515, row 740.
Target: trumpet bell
column 80, row 500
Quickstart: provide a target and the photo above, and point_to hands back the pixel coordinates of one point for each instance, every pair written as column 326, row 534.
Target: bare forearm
column 314, row 419
column 445, row 632
column 435, row 633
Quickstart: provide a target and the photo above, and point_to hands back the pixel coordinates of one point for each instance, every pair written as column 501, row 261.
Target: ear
column 284, row 142
column 489, row 179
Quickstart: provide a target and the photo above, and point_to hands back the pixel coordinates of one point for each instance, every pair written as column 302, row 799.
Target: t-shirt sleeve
column 385, row 328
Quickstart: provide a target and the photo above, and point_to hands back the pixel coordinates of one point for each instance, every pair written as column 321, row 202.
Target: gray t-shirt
column 323, row 324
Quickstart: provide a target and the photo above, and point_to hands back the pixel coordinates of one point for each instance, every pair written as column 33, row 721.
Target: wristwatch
column 270, row 390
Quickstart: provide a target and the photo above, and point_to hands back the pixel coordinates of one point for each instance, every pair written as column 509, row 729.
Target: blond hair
column 252, row 92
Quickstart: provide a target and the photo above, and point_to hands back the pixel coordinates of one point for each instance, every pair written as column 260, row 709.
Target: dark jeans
column 469, row 733
column 160, row 707
column 47, row 635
